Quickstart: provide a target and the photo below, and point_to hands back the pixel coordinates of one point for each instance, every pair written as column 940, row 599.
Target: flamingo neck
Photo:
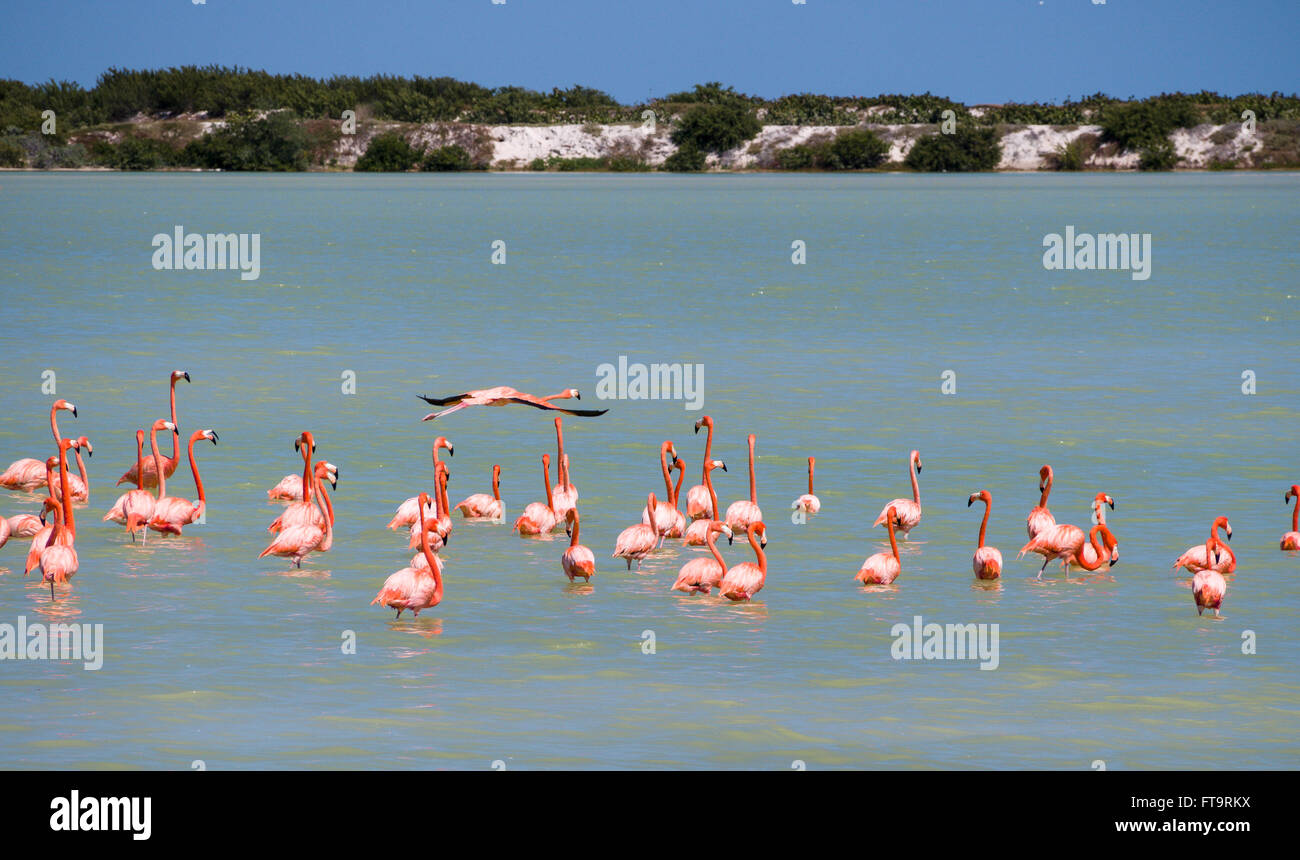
column 176, row 434
column 546, row 482
column 753, row 484
column 157, row 463
column 810, row 476
column 577, row 526
column 708, row 450
column 139, row 461
column 712, row 541
column 677, row 489
column 68, row 519
column 916, row 488
column 496, row 486
column 443, row 505
column 81, row 469
column 54, row 424
column 194, row 470
column 985, row 524
column 893, row 542
column 1295, row 515
column 1224, row 548
column 1047, row 491
column 323, row 500
column 561, row 472
column 668, row 478
column 1102, row 550
column 713, row 497
column 762, row 556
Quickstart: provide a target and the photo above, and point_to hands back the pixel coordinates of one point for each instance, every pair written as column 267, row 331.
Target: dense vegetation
column 966, row 149
column 270, row 120
column 855, row 149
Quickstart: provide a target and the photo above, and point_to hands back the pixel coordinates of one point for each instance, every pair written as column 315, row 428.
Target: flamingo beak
column 212, row 436
column 74, row 411
column 187, row 376
column 697, row 427
column 970, row 501
column 1111, row 502
column 577, row 394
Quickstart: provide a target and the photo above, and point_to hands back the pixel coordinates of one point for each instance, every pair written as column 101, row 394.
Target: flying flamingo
column 1040, row 517
column 1208, row 585
column 300, row 513
column 169, row 463
column 740, row 515
column 414, row 588
column 28, row 474
column 663, row 513
column 907, row 510
column 1291, row 540
column 537, row 518
column 747, row 579
column 1066, row 543
column 808, row 503
column 699, row 575
column 297, row 542
column 172, row 513
column 406, row 515
column 577, row 559
column 698, row 498
column 138, row 501
column 1196, row 559
column 883, row 567
column 504, row 395
column 987, row 562
column 636, row 542
column 698, row 531
column 565, row 493
column 482, row 506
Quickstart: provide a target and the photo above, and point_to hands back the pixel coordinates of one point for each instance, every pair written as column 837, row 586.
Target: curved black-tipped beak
column 90, row 452
column 697, row 427
column 296, row 447
column 1229, row 535
column 918, row 468
column 731, row 539
column 451, row 452
column 74, row 412
column 1115, row 561
column 1112, row 504
column 724, row 467
column 970, row 502
column 187, row 376
column 214, row 436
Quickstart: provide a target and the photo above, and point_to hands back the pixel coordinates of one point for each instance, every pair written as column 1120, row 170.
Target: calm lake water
column 1129, row 387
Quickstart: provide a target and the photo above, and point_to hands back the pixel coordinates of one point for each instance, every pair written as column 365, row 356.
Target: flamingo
column 1066, row 543
column 1196, row 559
column 745, row 580
column 883, row 567
column 663, row 514
column 79, row 483
column 27, row 474
column 1291, row 540
column 406, row 515
column 6, row 531
column 1040, row 517
column 169, row 463
column 58, row 557
column 740, row 515
column 504, row 395
column 697, row 533
column 677, row 524
column 299, row 513
column 441, row 511
column 907, row 510
column 484, row 506
column 699, row 575
column 297, row 542
column 1099, row 504
column 808, row 503
column 635, row 542
column 565, row 493
column 138, row 501
column 577, row 559
column 1208, row 585
column 418, row 561
column 24, row 525
column 172, row 513
column 43, row 537
column 699, row 497
column 538, row 518
column 414, row 588
column 987, row 562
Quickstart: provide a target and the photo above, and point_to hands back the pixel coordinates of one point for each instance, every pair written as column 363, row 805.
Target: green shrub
column 137, row 153
column 275, row 142
column 1139, row 125
column 388, row 153
column 1073, row 155
column 627, row 164
column 716, row 127
column 446, row 159
column 798, row 157
column 1159, row 155
column 11, row 155
column 965, row 150
column 687, row 159
column 537, row 164
column 857, row 150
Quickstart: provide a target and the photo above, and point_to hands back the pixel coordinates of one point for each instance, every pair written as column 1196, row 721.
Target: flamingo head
column 678, row 463
column 441, row 442
column 210, row 435
column 305, row 441
column 1044, row 478
column 135, row 521
column 139, row 437
column 570, row 518
column 1222, row 523
column 760, row 529
column 717, row 464
column 327, row 471
column 63, row 404
column 916, row 458
column 570, row 393
column 982, row 495
column 1103, row 499
column 441, row 472
column 47, row 504
column 83, row 442
column 178, row 375
column 164, row 424
column 706, row 421
column 722, row 528
column 1293, row 493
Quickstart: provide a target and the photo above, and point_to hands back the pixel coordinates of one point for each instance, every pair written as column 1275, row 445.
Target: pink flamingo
column 169, row 463
column 664, row 518
column 414, row 588
column 1196, row 558
column 441, row 512
column 636, row 542
column 6, row 531
column 740, row 515
column 406, row 514
column 58, row 558
column 677, row 520
column 1066, row 543
column 138, row 501
column 987, row 562
column 908, row 510
column 537, row 518
column 24, row 525
column 698, row 498
column 698, row 531
column 482, row 506
column 577, row 559
column 565, row 493
column 747, row 579
column 27, row 474
column 172, row 513
column 699, row 575
column 79, row 483
column 808, row 503
column 418, row 561
column 504, row 395
column 883, row 567
column 1099, row 504
column 1208, row 585
column 1040, row 518
column 1291, row 540
column 42, row 538
column 297, row 542
column 300, row 513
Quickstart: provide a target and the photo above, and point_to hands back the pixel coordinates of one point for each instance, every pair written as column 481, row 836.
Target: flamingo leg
column 1043, row 568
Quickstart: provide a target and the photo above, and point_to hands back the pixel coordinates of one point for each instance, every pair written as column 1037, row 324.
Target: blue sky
column 971, row 50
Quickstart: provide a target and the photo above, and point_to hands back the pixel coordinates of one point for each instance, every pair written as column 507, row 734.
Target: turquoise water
column 1127, row 387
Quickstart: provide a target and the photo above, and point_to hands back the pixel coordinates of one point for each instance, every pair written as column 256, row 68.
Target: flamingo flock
column 305, row 526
